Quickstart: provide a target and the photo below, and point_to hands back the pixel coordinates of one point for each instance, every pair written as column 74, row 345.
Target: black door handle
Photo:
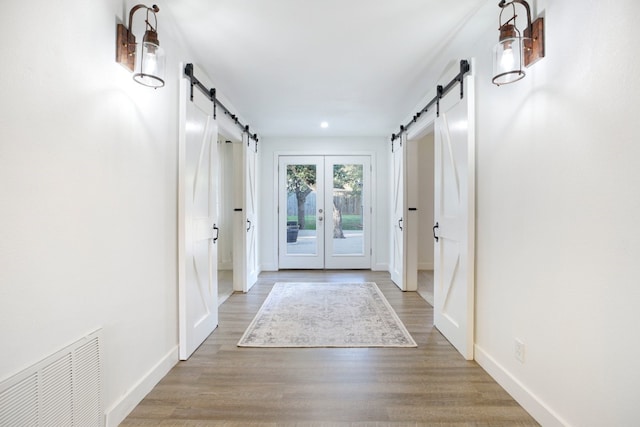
column 217, row 233
column 434, row 231
column 249, row 227
column 400, row 222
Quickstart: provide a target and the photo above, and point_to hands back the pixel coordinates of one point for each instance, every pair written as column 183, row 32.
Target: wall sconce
column 514, row 48
column 149, row 68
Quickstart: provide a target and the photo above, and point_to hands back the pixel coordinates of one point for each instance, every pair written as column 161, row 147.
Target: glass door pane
column 301, row 212
column 348, row 209
column 302, row 233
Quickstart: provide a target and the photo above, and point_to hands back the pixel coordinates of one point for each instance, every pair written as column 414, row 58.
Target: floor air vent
column 65, row 389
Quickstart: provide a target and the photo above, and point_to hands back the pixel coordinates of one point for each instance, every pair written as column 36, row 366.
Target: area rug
column 326, row 315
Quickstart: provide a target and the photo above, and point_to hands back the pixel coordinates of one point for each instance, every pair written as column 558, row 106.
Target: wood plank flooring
column 431, row 385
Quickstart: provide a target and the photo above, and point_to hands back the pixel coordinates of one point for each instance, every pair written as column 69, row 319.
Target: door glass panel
column 302, row 236
column 348, row 215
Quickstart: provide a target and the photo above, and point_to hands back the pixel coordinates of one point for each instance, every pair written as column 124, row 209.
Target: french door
column 324, row 212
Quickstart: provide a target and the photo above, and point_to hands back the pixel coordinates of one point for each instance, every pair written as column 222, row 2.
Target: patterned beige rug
column 326, row 315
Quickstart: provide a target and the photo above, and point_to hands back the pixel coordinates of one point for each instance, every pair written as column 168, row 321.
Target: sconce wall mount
column 516, row 49
column 147, row 59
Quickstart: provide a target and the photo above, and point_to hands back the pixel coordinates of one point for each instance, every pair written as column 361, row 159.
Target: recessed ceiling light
column 324, row 125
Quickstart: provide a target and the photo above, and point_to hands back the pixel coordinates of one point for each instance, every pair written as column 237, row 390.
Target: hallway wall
column 88, row 165
column 225, row 204
column 426, row 161
column 267, row 156
column 558, row 240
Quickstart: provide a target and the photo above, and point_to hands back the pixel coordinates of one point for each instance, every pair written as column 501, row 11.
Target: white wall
column 225, row 206
column 88, row 165
column 558, row 240
column 426, row 160
column 268, row 149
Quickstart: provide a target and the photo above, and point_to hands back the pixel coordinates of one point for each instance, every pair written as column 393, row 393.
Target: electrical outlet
column 519, row 350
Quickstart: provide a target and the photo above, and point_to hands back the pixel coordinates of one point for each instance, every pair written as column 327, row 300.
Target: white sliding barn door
column 250, row 211
column 197, row 234
column 455, row 219
column 398, row 212
column 245, row 257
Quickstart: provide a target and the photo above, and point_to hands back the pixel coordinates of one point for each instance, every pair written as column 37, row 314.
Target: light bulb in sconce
column 507, row 62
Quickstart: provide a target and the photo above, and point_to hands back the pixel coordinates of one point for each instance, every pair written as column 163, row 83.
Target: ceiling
column 288, row 65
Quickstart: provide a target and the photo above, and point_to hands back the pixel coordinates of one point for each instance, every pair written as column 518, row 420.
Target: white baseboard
column 425, row 266
column 529, row 401
column 268, row 267
column 225, row 265
column 381, row 266
column 127, row 403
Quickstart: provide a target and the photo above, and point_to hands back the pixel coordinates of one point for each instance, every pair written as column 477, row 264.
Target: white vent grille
column 18, row 402
column 65, row 389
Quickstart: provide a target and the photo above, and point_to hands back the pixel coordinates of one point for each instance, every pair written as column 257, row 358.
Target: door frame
column 415, row 134
column 314, row 152
column 407, row 277
column 229, row 133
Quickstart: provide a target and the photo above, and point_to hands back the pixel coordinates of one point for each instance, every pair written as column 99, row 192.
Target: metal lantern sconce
column 516, row 50
column 146, row 60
